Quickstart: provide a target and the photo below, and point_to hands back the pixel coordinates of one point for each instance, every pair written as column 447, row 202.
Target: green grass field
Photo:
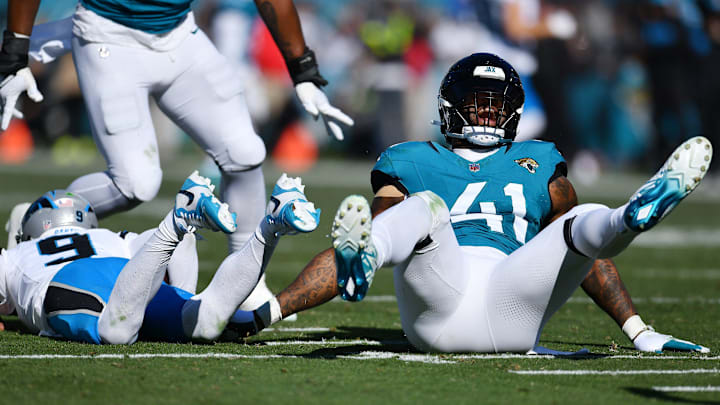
column 356, row 353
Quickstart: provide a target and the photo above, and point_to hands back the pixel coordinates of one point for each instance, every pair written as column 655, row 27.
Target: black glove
column 305, row 69
column 14, row 53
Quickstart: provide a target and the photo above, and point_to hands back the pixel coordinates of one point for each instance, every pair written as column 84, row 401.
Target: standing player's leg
column 530, row 285
column 115, row 88
column 141, row 277
column 206, row 315
column 207, row 101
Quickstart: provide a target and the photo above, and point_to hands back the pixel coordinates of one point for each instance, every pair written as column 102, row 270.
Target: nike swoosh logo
column 276, row 202
column 189, row 195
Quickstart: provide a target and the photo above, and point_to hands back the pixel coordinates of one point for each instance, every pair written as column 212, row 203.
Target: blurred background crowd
column 614, row 83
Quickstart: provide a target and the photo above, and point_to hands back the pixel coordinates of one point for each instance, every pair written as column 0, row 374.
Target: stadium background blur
column 616, row 91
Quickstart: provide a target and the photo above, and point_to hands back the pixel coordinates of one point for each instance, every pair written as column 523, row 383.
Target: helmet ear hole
column 54, row 209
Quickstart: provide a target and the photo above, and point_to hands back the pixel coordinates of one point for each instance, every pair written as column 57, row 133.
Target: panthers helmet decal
column 54, row 209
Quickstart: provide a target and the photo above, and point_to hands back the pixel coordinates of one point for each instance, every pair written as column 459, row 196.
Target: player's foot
column 197, row 207
column 355, row 253
column 14, row 223
column 289, row 211
column 675, row 180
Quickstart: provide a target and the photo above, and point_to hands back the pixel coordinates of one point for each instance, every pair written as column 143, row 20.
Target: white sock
column 183, row 266
column 206, row 314
column 245, row 193
column 136, row 285
column 601, row 232
column 397, row 231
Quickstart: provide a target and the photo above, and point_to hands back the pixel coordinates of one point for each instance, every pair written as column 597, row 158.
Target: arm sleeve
column 384, row 173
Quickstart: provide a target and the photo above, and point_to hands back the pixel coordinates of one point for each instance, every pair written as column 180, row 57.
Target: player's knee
column 116, row 333
column 201, row 324
column 438, row 209
column 245, row 154
column 140, row 185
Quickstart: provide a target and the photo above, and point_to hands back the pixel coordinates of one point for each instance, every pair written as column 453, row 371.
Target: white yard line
column 309, row 329
column 707, row 388
column 578, row 300
column 615, row 372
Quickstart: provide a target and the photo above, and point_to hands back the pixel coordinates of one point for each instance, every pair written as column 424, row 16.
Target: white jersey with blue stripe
column 501, row 201
column 27, row 269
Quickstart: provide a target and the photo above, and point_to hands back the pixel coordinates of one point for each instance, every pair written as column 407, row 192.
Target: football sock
column 397, row 231
column 183, row 266
column 136, row 285
column 601, row 232
column 245, row 193
column 100, row 191
column 205, row 315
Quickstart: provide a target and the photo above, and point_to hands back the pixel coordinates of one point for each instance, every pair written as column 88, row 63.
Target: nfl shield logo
column 46, row 224
column 474, row 167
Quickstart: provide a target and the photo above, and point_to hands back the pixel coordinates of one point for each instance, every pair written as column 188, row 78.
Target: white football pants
column 196, row 88
column 477, row 299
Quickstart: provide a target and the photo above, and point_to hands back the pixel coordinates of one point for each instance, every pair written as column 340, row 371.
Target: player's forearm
column 315, row 285
column 21, row 15
column 604, row 286
column 281, row 19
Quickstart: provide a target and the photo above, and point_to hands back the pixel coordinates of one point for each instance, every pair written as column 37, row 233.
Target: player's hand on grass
column 17, row 77
column 316, row 103
column 651, row 341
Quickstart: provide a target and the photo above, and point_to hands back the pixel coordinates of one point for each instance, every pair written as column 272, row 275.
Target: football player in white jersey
column 127, row 51
column 487, row 237
column 67, row 278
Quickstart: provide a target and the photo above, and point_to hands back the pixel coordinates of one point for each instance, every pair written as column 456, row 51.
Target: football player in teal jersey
column 126, row 51
column 486, row 235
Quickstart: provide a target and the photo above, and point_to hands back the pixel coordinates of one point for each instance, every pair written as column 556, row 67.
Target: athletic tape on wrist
column 633, row 326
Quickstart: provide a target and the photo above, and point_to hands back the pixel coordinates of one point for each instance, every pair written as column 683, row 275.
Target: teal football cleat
column 289, row 209
column 355, row 254
column 675, row 180
column 197, row 207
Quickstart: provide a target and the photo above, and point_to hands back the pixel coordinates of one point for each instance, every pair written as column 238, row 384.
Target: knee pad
column 241, row 155
column 438, row 209
column 140, row 185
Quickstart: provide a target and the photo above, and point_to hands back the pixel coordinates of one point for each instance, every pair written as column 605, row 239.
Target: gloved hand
column 307, row 79
column 18, row 78
column 651, row 341
column 316, row 103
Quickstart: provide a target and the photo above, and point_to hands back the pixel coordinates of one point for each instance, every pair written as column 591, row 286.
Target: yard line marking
column 500, row 356
column 680, row 388
column 309, row 329
column 615, row 372
column 577, row 300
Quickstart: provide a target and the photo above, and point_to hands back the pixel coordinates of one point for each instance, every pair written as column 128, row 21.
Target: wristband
column 634, row 326
column 14, row 53
column 305, row 69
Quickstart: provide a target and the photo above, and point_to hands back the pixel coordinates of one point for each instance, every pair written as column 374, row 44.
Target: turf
column 361, row 355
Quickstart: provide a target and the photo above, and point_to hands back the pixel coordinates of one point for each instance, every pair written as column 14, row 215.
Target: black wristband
column 14, row 53
column 305, row 69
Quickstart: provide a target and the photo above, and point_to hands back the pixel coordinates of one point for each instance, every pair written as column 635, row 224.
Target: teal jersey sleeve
column 501, row 201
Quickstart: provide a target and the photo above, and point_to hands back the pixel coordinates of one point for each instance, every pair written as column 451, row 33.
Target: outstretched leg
column 141, row 277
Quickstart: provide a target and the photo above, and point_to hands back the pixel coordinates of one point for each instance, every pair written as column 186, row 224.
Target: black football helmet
column 480, row 100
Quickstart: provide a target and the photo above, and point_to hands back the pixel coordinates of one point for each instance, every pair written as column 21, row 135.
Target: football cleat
column 197, row 207
column 355, row 254
column 675, row 180
column 289, row 210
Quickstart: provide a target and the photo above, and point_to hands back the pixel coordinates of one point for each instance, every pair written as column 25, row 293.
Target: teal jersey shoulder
column 152, row 16
column 501, row 201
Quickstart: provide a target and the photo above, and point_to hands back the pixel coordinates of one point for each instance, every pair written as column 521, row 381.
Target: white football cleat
column 197, row 207
column 675, row 180
column 289, row 210
column 355, row 254
column 14, row 223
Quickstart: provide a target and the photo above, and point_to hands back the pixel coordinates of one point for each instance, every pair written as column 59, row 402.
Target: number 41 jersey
column 27, row 269
column 501, row 201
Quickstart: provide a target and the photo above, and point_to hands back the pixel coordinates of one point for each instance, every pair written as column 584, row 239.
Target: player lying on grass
column 67, row 278
column 487, row 237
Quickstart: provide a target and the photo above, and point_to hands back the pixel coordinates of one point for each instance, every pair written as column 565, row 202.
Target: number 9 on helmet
column 54, row 209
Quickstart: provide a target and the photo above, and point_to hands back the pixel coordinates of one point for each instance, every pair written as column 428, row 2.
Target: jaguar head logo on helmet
column 54, row 209
column 480, row 102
